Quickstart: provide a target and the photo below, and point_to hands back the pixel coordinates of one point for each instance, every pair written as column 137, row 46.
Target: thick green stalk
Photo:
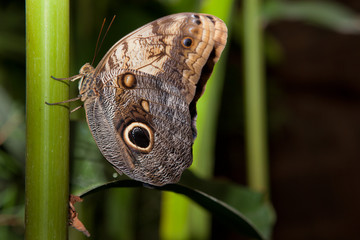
column 180, row 218
column 47, row 133
column 255, row 113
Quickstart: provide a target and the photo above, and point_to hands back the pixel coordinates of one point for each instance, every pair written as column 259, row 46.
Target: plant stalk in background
column 254, row 91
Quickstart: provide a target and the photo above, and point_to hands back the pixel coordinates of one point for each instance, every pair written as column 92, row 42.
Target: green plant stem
column 255, row 113
column 47, row 133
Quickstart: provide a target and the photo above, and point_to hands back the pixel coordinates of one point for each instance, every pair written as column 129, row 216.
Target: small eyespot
column 138, row 136
column 187, row 42
column 129, row 80
column 126, row 80
column 145, row 105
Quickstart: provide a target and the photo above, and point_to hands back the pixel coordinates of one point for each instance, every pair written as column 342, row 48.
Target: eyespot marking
column 127, row 80
column 145, row 105
column 187, row 42
column 139, row 137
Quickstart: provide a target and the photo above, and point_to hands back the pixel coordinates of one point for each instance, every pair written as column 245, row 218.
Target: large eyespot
column 127, row 80
column 187, row 42
column 139, row 136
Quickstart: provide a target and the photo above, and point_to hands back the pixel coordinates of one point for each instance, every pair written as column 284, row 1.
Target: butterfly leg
column 72, row 78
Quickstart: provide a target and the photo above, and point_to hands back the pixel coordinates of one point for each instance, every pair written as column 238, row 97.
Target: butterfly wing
column 141, row 108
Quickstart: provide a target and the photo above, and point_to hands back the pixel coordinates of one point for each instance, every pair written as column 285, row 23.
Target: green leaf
column 87, row 162
column 332, row 15
column 250, row 203
column 247, row 211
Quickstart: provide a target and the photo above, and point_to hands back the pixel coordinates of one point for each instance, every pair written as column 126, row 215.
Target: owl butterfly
column 140, row 100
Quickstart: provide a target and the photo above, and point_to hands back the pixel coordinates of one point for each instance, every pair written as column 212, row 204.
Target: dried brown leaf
column 73, row 216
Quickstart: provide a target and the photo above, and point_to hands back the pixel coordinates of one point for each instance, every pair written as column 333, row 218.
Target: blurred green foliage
column 327, row 14
column 12, row 116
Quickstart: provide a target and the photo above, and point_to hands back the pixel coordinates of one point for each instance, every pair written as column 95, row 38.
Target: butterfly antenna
column 107, row 30
column 97, row 49
column 97, row 41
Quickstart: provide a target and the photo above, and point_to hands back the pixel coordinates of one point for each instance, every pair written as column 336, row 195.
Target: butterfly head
column 87, row 72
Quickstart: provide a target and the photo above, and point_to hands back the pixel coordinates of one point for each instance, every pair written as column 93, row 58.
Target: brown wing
column 158, row 49
column 141, row 110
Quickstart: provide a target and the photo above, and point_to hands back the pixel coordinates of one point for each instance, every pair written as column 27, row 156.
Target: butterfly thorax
column 86, row 82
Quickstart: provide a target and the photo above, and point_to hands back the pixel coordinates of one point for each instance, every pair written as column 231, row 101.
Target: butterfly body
column 140, row 100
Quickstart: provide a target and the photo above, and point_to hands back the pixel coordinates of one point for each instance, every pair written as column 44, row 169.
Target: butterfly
column 140, row 100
